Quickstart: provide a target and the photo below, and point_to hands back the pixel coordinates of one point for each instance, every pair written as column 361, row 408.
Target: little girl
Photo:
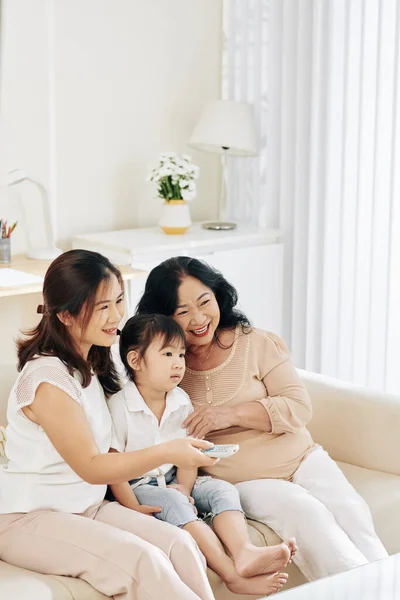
column 150, row 410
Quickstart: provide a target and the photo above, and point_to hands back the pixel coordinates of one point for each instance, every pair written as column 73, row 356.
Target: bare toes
column 292, row 545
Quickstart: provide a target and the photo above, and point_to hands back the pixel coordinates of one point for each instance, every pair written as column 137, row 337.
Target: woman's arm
column 285, row 408
column 287, row 404
column 251, row 415
column 66, row 426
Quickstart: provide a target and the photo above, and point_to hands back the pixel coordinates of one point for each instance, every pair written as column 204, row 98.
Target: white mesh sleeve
column 26, row 388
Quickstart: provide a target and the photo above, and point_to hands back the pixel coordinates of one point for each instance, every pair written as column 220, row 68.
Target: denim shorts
column 211, row 497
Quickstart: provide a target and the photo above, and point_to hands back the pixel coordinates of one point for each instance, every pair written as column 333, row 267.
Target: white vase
column 175, row 217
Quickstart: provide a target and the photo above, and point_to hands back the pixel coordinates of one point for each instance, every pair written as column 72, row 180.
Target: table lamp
column 227, row 128
column 50, row 251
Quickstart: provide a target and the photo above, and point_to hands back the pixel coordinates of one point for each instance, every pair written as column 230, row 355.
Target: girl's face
column 161, row 369
column 197, row 312
column 107, row 314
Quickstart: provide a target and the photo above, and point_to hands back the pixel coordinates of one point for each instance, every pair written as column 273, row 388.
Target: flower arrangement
column 175, row 177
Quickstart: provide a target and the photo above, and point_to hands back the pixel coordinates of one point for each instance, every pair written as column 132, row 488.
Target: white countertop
column 132, row 245
column 377, row 580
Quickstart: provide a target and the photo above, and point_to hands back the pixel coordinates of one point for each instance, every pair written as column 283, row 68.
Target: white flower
column 174, row 176
column 188, row 196
column 167, row 155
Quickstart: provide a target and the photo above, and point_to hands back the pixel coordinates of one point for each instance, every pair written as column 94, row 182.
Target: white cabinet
column 250, row 258
column 256, row 273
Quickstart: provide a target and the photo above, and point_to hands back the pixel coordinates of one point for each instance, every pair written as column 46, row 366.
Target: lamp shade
column 226, row 124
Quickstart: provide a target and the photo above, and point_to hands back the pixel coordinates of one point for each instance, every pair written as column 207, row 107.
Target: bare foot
column 259, row 585
column 293, row 547
column 253, row 561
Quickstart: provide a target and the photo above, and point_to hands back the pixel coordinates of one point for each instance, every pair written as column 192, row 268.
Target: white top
column 136, row 427
column 36, row 476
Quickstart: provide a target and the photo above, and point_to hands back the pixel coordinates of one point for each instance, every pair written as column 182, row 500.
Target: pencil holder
column 5, row 250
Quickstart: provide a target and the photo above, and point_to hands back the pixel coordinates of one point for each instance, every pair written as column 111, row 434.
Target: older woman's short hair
column 161, row 291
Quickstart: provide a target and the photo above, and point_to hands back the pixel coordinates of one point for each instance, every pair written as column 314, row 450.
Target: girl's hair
column 141, row 330
column 70, row 285
column 161, row 291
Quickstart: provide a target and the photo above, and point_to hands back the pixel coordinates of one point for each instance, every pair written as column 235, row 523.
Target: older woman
column 246, row 391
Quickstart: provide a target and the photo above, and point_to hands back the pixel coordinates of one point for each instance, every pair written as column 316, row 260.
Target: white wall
column 24, row 107
column 93, row 90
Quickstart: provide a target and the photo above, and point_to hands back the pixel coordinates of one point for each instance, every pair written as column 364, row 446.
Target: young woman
column 53, row 518
column 150, row 409
column 245, row 390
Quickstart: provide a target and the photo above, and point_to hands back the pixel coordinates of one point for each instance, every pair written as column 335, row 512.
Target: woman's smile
column 201, row 332
column 112, row 331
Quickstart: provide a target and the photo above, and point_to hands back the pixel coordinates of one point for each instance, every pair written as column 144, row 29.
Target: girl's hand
column 185, row 453
column 145, row 509
column 183, row 490
column 208, row 418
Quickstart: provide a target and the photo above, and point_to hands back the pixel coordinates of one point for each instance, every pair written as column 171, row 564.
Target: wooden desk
column 39, row 268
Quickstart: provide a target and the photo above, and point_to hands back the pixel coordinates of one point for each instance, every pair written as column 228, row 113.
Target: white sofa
column 359, row 428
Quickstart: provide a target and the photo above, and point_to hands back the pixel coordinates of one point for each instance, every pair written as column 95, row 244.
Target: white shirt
column 36, row 476
column 136, row 427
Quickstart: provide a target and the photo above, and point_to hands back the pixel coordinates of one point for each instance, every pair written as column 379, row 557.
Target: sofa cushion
column 354, row 424
column 16, row 583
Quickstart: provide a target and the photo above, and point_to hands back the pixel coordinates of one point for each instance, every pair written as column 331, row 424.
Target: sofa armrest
column 354, row 424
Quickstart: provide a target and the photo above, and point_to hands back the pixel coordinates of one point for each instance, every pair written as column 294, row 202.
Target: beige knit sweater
column 258, row 368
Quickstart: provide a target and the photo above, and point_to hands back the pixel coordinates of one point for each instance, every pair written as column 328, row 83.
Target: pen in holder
column 5, row 241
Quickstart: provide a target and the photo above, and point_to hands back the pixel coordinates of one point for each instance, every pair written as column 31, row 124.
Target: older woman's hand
column 208, row 418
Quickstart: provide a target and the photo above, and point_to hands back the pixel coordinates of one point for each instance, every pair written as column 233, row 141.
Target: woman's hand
column 185, row 453
column 208, row 418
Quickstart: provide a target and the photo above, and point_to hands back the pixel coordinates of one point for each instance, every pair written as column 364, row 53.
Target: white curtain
column 323, row 76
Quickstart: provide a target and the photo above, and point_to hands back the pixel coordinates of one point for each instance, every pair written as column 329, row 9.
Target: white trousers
column 332, row 523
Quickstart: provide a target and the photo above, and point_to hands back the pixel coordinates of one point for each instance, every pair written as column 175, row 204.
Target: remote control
column 221, row 450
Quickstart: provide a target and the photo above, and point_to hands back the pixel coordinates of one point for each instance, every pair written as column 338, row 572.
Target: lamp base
column 219, row 225
column 44, row 253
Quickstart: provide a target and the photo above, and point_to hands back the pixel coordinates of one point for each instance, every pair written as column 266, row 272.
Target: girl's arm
column 125, row 495
column 186, row 478
column 66, row 426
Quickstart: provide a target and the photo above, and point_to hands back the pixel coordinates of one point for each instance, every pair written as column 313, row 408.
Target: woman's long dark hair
column 161, row 291
column 70, row 286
